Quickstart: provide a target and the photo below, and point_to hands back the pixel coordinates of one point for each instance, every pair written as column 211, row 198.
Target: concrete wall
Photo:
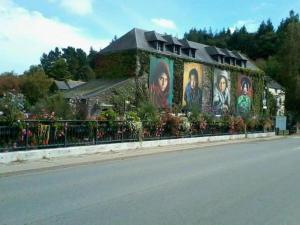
column 8, row 157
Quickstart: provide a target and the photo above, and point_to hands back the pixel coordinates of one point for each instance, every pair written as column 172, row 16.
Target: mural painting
column 192, row 86
column 161, row 82
column 244, row 93
column 221, row 92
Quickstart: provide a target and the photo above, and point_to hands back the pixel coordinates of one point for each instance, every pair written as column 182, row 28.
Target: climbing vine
column 125, row 65
column 116, row 65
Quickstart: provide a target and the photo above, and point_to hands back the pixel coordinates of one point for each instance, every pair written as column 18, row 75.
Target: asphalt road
column 237, row 184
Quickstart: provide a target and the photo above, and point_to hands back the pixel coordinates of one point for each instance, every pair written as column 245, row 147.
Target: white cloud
column 262, row 5
column 78, row 7
column 26, row 35
column 164, row 23
column 251, row 25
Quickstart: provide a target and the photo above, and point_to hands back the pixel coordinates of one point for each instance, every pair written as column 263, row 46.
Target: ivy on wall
column 233, row 91
column 207, row 88
column 124, row 64
column 116, row 65
column 258, row 89
column 208, row 71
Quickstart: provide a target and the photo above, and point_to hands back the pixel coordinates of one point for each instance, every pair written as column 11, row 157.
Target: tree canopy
column 69, row 63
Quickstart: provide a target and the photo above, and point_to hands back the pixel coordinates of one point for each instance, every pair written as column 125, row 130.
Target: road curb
column 21, row 167
column 19, row 156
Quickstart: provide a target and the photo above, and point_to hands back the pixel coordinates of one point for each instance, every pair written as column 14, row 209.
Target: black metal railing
column 37, row 134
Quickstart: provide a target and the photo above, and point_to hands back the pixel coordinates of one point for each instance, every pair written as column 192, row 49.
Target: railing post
column 122, row 130
column 96, row 132
column 27, row 138
column 65, row 133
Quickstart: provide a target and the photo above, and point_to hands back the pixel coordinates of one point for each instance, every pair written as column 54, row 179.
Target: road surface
column 236, row 184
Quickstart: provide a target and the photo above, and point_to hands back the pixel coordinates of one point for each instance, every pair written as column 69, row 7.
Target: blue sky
column 31, row 27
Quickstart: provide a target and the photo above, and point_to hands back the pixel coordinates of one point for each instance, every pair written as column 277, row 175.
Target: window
column 233, row 61
column 215, row 57
column 193, row 53
column 239, row 62
column 221, row 59
column 160, row 46
column 176, row 49
column 227, row 60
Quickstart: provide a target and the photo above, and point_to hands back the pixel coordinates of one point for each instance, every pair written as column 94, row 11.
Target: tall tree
column 59, row 70
column 289, row 55
column 265, row 41
column 242, row 40
column 48, row 59
column 35, row 84
column 92, row 58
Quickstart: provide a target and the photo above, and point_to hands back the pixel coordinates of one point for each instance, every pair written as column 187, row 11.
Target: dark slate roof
column 239, row 55
column 228, row 53
column 172, row 40
column 74, row 83
column 61, row 85
column 136, row 39
column 69, row 84
column 188, row 44
column 212, row 50
column 126, row 42
column 153, row 36
column 92, row 88
column 273, row 84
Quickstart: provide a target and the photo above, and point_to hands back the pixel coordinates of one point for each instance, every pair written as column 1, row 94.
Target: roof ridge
column 135, row 37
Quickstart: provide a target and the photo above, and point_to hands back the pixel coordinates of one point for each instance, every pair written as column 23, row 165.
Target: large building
column 177, row 73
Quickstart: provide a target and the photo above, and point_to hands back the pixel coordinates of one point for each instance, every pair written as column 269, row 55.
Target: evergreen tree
column 59, row 70
column 289, row 56
column 48, row 59
column 265, row 41
column 92, row 58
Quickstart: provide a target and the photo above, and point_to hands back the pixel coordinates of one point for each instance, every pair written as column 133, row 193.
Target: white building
column 279, row 94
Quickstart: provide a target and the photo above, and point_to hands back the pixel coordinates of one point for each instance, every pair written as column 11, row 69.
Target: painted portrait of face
column 163, row 80
column 221, row 92
column 222, row 83
column 192, row 86
column 193, row 77
column 160, row 82
column 244, row 93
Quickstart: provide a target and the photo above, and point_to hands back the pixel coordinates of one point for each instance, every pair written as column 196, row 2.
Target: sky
column 29, row 28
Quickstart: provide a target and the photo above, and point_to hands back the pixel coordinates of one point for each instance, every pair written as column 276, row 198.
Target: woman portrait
column 159, row 85
column 221, row 99
column 244, row 100
column 193, row 93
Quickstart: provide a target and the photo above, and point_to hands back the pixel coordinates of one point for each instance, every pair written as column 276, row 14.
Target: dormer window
column 227, row 60
column 176, row 49
column 233, row 61
column 217, row 54
column 160, row 46
column 193, row 53
column 239, row 62
column 244, row 63
column 221, row 59
column 173, row 44
column 156, row 40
